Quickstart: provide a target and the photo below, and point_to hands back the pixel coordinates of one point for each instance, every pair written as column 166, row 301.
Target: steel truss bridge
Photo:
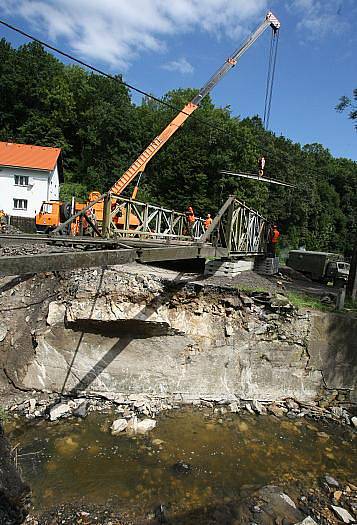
column 147, row 233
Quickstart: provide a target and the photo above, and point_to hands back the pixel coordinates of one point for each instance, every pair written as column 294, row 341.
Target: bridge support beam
column 50, row 262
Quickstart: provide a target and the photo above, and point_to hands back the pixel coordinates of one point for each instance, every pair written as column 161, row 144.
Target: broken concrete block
column 118, row 426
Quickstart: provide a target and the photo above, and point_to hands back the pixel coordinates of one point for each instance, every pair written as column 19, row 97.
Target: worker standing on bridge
column 208, row 221
column 261, row 166
column 190, row 217
column 274, row 236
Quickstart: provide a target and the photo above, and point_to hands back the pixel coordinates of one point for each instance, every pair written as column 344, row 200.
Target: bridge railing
column 239, row 229
column 236, row 229
column 131, row 218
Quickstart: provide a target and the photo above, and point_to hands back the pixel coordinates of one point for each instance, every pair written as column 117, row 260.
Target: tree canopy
column 101, row 132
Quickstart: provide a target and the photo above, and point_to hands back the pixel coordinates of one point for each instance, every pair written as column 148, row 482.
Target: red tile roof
column 26, row 156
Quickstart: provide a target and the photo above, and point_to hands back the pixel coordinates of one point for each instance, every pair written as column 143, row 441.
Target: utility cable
column 276, row 38
column 270, row 78
column 105, row 74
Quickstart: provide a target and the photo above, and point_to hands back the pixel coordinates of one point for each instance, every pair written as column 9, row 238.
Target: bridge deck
column 149, row 233
column 96, row 253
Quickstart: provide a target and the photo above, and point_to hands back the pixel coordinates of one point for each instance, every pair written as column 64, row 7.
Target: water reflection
column 70, row 460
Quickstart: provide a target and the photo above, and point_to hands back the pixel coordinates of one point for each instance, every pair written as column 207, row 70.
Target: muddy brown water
column 80, row 461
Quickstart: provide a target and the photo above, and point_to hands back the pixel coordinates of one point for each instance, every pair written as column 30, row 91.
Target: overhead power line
column 108, row 75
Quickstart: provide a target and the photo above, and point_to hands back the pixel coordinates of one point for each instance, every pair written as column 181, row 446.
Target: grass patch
column 301, row 300
column 250, row 289
column 3, row 414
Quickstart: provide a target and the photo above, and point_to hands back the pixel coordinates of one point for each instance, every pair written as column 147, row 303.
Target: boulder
column 276, row 410
column 81, row 410
column 276, row 507
column 59, row 410
column 56, row 313
column 229, row 330
column 354, row 421
column 258, row 407
column 343, row 514
column 145, row 426
column 331, row 481
column 32, row 405
column 3, row 330
column 118, row 426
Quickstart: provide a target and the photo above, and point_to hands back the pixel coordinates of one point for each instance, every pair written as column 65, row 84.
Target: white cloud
column 320, row 18
column 181, row 65
column 117, row 31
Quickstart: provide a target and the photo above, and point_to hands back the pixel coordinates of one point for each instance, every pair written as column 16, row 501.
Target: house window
column 21, row 180
column 20, row 204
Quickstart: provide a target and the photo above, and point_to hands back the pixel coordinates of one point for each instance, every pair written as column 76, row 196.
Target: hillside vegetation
column 101, row 131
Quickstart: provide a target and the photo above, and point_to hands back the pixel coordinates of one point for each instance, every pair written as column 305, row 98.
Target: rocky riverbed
column 202, row 465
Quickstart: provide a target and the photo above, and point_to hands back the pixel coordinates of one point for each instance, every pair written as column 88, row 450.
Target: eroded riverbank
column 200, row 465
column 274, row 391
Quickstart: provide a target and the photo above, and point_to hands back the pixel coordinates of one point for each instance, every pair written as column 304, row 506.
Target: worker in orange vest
column 208, row 221
column 190, row 217
column 274, row 236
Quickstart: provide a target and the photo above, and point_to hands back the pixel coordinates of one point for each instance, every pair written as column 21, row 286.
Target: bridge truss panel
column 240, row 230
column 131, row 218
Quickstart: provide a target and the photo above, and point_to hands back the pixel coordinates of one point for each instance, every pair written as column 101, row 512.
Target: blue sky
column 160, row 45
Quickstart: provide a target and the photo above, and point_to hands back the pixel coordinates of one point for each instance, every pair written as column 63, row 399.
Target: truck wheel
column 65, row 211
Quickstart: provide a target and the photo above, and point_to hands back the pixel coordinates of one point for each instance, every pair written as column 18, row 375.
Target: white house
column 29, row 175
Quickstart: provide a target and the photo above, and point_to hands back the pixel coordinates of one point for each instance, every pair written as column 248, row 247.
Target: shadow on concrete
column 94, row 326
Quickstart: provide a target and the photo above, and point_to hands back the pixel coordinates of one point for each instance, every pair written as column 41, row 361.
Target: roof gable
column 28, row 156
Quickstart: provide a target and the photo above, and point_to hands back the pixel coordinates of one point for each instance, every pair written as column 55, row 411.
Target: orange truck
column 54, row 213
column 50, row 217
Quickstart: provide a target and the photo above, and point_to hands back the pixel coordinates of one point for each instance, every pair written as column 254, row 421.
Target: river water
column 192, row 459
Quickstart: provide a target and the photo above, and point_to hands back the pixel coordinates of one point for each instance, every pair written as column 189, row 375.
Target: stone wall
column 111, row 331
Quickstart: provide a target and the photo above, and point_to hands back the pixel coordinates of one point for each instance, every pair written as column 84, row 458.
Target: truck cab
column 337, row 272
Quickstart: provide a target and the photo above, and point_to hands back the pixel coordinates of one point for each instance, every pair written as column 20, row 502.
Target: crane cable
column 270, row 77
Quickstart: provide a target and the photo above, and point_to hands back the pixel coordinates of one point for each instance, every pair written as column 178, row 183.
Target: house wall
column 43, row 185
column 53, row 187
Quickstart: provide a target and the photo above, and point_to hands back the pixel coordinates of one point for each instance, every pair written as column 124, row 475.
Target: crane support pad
column 256, row 177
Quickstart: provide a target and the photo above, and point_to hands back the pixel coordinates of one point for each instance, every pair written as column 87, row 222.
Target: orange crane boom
column 140, row 163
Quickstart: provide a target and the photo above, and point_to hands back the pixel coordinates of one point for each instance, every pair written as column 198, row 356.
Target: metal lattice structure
column 131, row 218
column 239, row 229
column 236, row 230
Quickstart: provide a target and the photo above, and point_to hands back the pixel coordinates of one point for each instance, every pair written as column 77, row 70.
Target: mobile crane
column 138, row 166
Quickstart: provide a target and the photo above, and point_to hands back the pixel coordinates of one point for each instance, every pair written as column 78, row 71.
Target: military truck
column 323, row 267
